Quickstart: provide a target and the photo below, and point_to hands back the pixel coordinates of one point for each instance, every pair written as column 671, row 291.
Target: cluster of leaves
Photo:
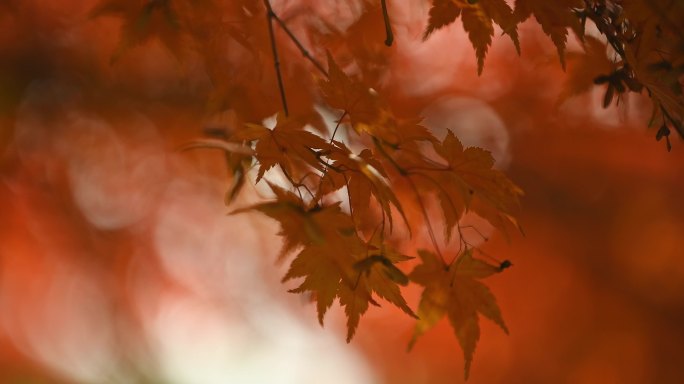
column 345, row 255
column 647, row 40
column 642, row 44
column 338, row 207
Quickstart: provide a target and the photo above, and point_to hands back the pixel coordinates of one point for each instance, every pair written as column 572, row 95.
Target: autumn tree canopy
column 346, row 194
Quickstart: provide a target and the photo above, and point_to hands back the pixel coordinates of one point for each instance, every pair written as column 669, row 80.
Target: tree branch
column 270, row 15
column 299, row 45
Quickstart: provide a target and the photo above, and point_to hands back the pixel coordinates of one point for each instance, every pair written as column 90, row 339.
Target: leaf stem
column 295, row 184
column 337, row 126
column 299, row 45
column 473, row 228
column 389, row 158
column 327, row 162
column 388, row 27
column 431, row 232
column 270, row 15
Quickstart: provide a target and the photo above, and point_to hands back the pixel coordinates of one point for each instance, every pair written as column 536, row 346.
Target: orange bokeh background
column 118, row 262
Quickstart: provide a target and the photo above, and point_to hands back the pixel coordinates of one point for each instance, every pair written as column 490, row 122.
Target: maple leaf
column 441, row 14
column 480, row 30
column 334, row 262
column 585, row 68
column 363, row 176
column 656, row 53
column 472, row 171
column 364, row 40
column 555, row 17
column 303, row 224
column 478, row 18
column 288, row 145
column 368, row 112
column 455, row 292
column 376, row 274
column 141, row 21
column 657, row 23
column 323, row 275
column 328, row 272
column 352, row 96
column 467, row 181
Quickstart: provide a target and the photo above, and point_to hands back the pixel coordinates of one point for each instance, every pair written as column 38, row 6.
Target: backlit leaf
column 555, row 17
column 478, row 21
column 455, row 292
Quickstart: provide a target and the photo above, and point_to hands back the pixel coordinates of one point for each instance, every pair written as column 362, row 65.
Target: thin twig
column 394, row 163
column 487, row 255
column 351, row 208
column 473, row 228
column 327, row 162
column 223, row 145
column 295, row 184
column 431, row 232
column 276, row 62
column 388, row 27
column 606, row 29
column 299, row 45
column 462, row 243
column 337, row 126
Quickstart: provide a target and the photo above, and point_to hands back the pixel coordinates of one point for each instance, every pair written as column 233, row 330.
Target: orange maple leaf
column 467, row 181
column 490, row 193
column 325, row 277
column 288, row 145
column 334, row 262
column 376, row 273
column 363, row 176
column 368, row 112
column 352, row 96
column 141, row 21
column 302, row 224
column 478, row 19
column 352, row 271
column 555, row 17
column 453, row 291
